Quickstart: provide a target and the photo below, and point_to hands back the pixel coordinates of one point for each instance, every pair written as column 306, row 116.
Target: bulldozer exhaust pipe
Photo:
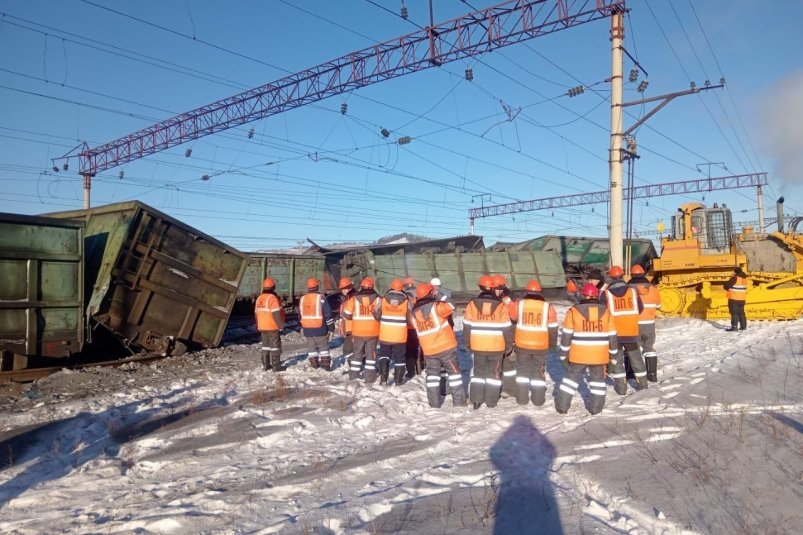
column 779, row 208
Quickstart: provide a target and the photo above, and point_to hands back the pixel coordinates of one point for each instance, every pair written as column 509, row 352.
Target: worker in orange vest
column 536, row 324
column 737, row 295
column 316, row 323
column 342, row 325
column 393, row 315
column 646, row 322
column 270, row 320
column 488, row 333
column 625, row 306
column 588, row 341
column 502, row 292
column 360, row 309
column 413, row 352
column 438, row 344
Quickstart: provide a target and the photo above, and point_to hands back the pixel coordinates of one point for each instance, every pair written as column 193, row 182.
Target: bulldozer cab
column 710, row 228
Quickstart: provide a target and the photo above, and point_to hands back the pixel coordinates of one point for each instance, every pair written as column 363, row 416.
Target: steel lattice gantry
column 470, row 35
column 641, row 192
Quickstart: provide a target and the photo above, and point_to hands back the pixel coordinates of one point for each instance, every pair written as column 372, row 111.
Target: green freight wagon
column 459, row 272
column 156, row 283
column 580, row 254
column 41, row 290
column 289, row 271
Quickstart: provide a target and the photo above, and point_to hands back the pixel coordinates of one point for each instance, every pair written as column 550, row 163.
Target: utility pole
column 615, row 150
column 761, row 226
column 87, row 190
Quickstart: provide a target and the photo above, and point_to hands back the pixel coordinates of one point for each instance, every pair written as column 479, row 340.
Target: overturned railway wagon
column 580, row 255
column 156, row 283
column 41, row 290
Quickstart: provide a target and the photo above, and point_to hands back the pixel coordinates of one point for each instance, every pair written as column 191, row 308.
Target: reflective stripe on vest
column 631, row 309
column 738, row 291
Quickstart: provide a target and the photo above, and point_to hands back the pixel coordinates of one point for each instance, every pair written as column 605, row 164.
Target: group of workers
column 510, row 340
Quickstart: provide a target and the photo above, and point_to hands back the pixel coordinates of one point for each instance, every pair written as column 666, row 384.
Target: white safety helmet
column 435, row 282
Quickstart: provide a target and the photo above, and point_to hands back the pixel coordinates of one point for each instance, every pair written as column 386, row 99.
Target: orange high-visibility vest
column 348, row 321
column 361, row 310
column 266, row 305
column 393, row 322
column 487, row 320
column 535, row 318
column 624, row 311
column 591, row 336
column 435, row 335
column 651, row 298
column 310, row 309
column 738, row 291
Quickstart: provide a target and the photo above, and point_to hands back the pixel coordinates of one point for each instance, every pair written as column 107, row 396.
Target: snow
column 208, row 443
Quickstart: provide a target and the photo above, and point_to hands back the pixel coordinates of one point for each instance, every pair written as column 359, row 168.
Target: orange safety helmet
column 367, row 282
column 268, row 284
column 423, row 290
column 637, row 270
column 533, row 286
column 499, row 281
column 345, row 282
column 589, row 290
column 409, row 281
column 616, row 272
column 397, row 285
column 312, row 283
column 486, row 282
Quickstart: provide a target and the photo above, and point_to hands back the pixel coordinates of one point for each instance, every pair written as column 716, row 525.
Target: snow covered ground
column 208, row 443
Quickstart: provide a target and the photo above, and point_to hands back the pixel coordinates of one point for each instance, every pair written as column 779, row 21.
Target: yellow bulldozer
column 701, row 252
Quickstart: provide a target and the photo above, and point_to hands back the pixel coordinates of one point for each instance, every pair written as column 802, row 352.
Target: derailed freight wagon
column 459, row 271
column 579, row 255
column 41, row 291
column 156, row 283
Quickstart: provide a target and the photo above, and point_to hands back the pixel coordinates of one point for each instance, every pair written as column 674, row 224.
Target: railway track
column 32, row 374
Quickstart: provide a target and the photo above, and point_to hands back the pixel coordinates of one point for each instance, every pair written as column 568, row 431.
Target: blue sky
column 313, row 172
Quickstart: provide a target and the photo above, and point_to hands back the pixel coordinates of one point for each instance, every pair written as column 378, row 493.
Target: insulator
column 251, row 133
column 384, row 132
column 633, row 75
column 188, row 153
column 469, row 74
column 693, row 85
column 122, row 174
column 344, row 108
column 55, row 169
column 404, row 12
column 66, row 166
column 205, row 177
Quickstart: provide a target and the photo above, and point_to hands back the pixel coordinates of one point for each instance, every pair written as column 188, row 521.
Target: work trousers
column 271, row 350
column 348, row 350
column 446, row 362
column 738, row 318
column 411, row 361
column 364, row 353
column 571, row 382
column 392, row 355
column 486, row 380
column 509, row 373
column 616, row 368
column 530, row 377
column 647, row 338
column 318, row 352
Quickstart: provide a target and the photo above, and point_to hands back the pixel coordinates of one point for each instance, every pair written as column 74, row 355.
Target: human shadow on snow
column 54, row 449
column 526, row 500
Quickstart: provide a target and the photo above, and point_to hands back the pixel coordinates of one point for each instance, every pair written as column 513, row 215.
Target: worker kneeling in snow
column 588, row 341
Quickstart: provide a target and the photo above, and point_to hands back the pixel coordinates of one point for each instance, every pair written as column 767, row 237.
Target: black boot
column 477, row 406
column 444, row 380
column 652, row 369
column 384, row 371
column 266, row 364
column 314, row 363
column 398, row 375
column 326, row 363
column 276, row 363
